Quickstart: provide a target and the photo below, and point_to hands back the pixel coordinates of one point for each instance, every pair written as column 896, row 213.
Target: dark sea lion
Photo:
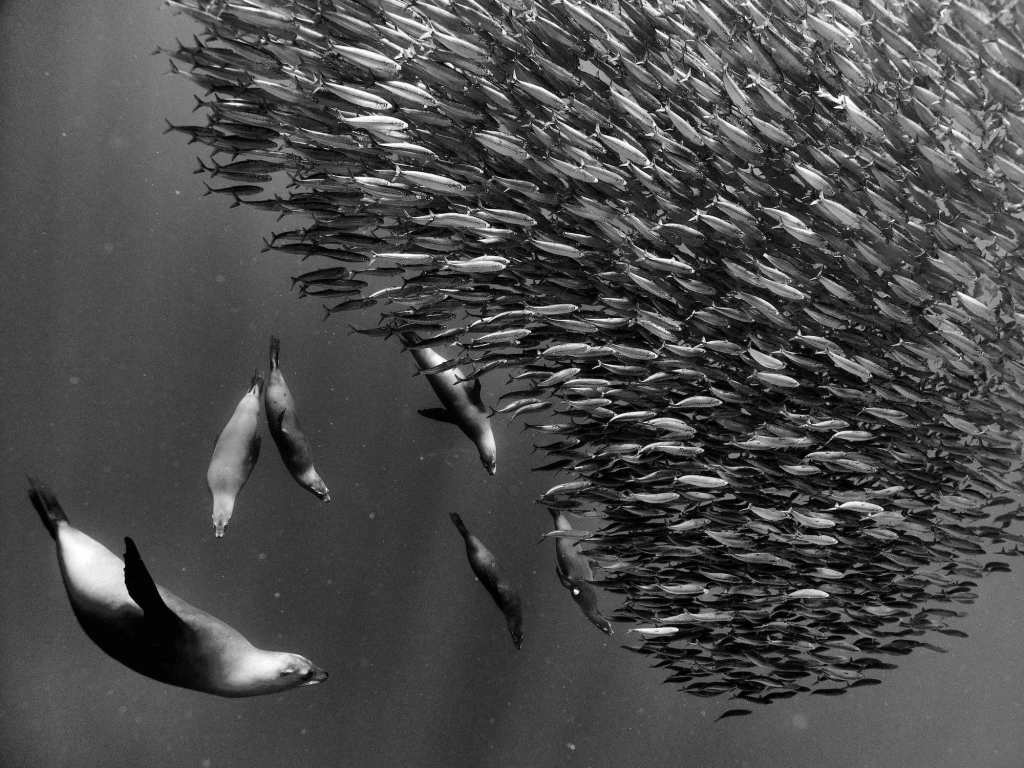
column 234, row 455
column 486, row 569
column 575, row 574
column 154, row 632
column 461, row 401
column 291, row 441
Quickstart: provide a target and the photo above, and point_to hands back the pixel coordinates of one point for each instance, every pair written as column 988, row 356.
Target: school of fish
column 754, row 268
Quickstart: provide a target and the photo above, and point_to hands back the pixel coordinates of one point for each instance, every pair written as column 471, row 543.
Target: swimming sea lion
column 235, row 455
column 486, row 569
column 154, row 632
column 291, row 442
column 461, row 399
column 575, row 574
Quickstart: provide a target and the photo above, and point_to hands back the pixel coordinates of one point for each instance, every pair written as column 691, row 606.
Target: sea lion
column 463, row 405
column 154, row 632
column 234, row 455
column 486, row 569
column 291, row 441
column 575, row 574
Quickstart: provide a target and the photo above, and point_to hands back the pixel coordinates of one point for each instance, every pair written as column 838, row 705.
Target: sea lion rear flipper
column 437, row 414
column 46, row 504
column 144, row 592
column 275, row 352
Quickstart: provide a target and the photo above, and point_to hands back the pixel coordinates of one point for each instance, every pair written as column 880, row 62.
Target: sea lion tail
column 46, row 504
column 275, row 351
column 458, row 523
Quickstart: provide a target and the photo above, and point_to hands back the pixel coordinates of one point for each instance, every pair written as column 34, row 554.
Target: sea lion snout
column 316, row 675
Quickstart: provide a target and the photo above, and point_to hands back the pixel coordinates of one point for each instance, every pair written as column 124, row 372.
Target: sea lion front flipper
column 563, row 577
column 475, row 398
column 280, row 422
column 437, row 414
column 143, row 591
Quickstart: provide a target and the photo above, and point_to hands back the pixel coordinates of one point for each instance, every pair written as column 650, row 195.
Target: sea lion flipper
column 563, row 577
column 275, row 352
column 475, row 397
column 437, row 414
column 281, row 428
column 143, row 589
column 46, row 504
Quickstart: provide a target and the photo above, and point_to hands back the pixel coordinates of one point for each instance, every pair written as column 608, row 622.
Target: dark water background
column 133, row 312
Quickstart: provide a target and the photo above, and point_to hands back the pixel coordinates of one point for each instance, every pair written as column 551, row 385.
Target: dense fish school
column 754, row 269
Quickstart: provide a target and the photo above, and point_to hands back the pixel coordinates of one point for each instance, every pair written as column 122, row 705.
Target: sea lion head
column 295, row 670
column 319, row 487
column 311, row 479
column 488, row 452
column 515, row 628
column 586, row 598
column 273, row 671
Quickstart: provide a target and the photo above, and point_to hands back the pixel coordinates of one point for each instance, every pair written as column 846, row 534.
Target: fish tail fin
column 209, row 189
column 457, row 519
column 256, row 381
column 46, row 504
column 275, row 351
column 202, row 168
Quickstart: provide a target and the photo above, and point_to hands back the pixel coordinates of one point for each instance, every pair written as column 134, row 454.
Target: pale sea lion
column 575, row 574
column 154, row 632
column 291, row 441
column 234, row 455
column 485, row 566
column 463, row 405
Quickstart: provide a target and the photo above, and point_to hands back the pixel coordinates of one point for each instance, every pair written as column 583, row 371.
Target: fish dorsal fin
column 144, row 592
column 437, row 414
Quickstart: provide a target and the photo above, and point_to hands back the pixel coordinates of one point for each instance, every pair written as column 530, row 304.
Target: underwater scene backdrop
column 134, row 312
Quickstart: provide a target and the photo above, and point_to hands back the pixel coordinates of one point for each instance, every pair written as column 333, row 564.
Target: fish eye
column 575, row 591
